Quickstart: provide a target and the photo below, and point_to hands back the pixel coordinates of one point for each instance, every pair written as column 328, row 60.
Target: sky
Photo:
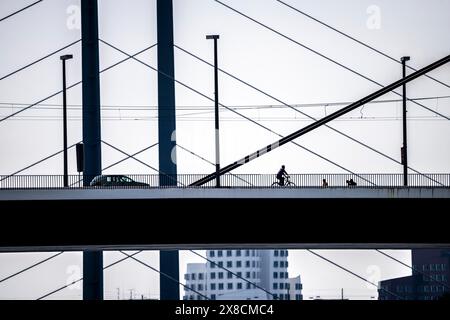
column 252, row 53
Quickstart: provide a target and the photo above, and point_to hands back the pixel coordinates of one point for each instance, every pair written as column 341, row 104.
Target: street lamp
column 64, row 59
column 216, row 100
column 405, row 140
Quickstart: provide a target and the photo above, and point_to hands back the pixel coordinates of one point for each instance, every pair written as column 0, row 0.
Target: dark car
column 116, row 181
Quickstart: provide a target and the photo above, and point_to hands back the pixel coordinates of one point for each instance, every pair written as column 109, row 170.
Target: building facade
column 429, row 281
column 240, row 275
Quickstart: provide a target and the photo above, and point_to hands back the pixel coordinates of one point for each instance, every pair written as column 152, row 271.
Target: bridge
column 203, row 193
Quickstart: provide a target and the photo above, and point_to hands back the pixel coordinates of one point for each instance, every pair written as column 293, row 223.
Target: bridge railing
column 229, row 180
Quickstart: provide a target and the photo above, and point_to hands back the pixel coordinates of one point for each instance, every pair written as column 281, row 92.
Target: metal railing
column 231, row 180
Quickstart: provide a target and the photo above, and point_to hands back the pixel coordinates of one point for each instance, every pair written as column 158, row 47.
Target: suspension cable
column 325, row 57
column 20, row 10
column 234, row 111
column 357, row 41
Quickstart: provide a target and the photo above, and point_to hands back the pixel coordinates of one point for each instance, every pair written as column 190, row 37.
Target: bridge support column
column 169, row 264
column 93, row 260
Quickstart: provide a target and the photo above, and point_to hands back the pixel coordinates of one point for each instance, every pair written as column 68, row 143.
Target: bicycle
column 287, row 183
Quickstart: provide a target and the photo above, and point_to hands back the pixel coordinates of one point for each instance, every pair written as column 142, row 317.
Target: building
column 240, row 275
column 429, row 280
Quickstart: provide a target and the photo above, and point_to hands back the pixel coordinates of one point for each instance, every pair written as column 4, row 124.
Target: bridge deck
column 226, row 193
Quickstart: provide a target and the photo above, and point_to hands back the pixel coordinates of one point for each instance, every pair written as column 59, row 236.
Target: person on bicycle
column 281, row 174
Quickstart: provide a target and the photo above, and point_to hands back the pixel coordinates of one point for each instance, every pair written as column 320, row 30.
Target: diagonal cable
column 38, row 162
column 20, row 10
column 356, row 40
column 353, row 273
column 412, row 268
column 31, row 267
column 75, row 84
column 235, row 274
column 325, row 57
column 39, row 60
column 142, row 162
column 81, row 279
column 165, row 275
column 234, row 111
column 297, row 110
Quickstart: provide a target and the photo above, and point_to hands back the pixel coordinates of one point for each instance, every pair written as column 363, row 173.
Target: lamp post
column 64, row 59
column 216, row 100
column 405, row 142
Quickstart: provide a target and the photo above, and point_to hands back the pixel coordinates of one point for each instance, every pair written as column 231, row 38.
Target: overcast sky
column 254, row 54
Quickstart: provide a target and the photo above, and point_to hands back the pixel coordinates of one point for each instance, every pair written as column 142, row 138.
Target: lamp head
column 66, row 57
column 404, row 59
column 212, row 36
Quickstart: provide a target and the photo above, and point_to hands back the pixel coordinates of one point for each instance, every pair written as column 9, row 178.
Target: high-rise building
column 240, row 275
column 429, row 279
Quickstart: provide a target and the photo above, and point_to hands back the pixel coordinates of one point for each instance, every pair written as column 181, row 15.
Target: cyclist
column 281, row 174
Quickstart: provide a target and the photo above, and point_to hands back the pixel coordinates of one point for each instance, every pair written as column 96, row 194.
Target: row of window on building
column 221, row 275
column 246, row 253
column 280, row 275
column 221, row 286
column 436, row 277
column 431, row 267
column 285, row 286
column 214, row 297
column 237, row 264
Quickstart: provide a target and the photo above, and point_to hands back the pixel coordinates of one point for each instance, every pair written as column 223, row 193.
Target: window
column 219, row 253
column 253, row 263
column 212, row 265
column 247, row 253
column 220, row 264
column 254, row 275
column 193, row 276
column 191, row 297
column 281, row 264
column 220, row 286
column 229, row 275
column 286, row 264
column 200, row 287
column 286, row 253
column 229, row 253
column 287, row 297
column 239, row 285
column 282, row 275
column 201, row 276
column 247, row 264
column 213, row 297
column 238, row 253
column 275, row 253
column 248, row 275
column 220, row 274
column 275, row 286
column 186, row 276
column 213, row 275
column 239, row 274
column 192, row 287
column 275, row 275
column 275, row 264
column 281, row 253
column 298, row 297
column 281, row 285
column 238, row 264
column 249, row 285
column 230, row 286
column 275, row 297
column 212, row 253
column 298, row 286
column 286, row 275
column 213, row 286
column 287, row 286
column 229, row 264
column 253, row 253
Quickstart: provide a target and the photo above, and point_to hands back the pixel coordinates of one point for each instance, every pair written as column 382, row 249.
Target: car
column 115, row 181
